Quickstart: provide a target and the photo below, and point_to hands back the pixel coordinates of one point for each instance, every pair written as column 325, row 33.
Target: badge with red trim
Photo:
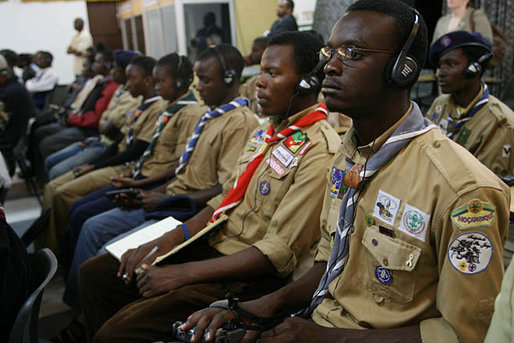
column 295, row 141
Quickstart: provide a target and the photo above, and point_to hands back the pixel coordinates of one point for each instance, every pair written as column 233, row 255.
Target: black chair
column 25, row 328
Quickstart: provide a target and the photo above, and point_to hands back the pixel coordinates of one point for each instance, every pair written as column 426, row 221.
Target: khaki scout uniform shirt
column 216, row 152
column 119, row 107
column 279, row 214
column 173, row 139
column 144, row 127
column 488, row 135
column 427, row 245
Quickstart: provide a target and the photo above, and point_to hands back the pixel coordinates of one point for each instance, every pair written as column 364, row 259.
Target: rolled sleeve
column 279, row 253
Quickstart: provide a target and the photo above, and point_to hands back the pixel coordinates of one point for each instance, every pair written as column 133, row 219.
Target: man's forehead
column 365, row 27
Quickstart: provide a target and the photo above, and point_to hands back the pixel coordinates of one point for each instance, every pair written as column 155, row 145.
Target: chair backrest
column 25, row 328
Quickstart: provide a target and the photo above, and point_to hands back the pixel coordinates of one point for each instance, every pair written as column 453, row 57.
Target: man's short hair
column 290, row 4
column 404, row 17
column 47, row 56
column 107, row 55
column 306, row 47
column 178, row 67
column 231, row 57
column 11, row 57
column 144, row 63
column 261, row 41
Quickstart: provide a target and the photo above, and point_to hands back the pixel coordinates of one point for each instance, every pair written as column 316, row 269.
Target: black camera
column 223, row 335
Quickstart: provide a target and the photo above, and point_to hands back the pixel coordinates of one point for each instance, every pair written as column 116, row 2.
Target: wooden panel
column 104, row 24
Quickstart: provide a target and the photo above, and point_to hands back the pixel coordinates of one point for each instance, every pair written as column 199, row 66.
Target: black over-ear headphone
column 405, row 69
column 475, row 68
column 311, row 82
column 228, row 74
column 179, row 77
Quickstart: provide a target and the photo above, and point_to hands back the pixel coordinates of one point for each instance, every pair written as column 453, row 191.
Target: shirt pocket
column 389, row 266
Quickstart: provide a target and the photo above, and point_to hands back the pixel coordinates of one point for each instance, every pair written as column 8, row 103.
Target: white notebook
column 151, row 232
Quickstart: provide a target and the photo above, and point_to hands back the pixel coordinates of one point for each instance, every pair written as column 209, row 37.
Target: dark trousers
column 117, row 313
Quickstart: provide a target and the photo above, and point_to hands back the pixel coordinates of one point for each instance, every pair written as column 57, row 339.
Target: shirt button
column 385, row 261
column 436, row 144
column 379, row 300
column 374, row 242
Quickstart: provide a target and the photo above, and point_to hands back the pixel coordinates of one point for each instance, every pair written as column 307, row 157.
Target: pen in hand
column 138, row 268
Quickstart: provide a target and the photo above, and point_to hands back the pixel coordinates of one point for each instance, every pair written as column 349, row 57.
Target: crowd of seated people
column 392, row 230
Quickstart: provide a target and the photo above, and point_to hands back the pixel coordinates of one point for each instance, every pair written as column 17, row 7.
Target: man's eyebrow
column 356, row 42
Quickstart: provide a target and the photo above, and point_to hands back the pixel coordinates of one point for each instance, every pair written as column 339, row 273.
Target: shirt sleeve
column 46, row 82
column 482, row 24
column 470, row 265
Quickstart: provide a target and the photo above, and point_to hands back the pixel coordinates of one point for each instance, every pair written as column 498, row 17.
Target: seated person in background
column 463, row 16
column 112, row 119
column 138, row 130
column 273, row 210
column 5, row 178
column 466, row 112
column 247, row 89
column 173, row 75
column 45, row 79
column 412, row 227
column 78, row 125
column 17, row 108
column 286, row 20
column 16, row 276
column 80, row 81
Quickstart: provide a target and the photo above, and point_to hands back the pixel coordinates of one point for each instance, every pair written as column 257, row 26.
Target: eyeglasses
column 347, row 52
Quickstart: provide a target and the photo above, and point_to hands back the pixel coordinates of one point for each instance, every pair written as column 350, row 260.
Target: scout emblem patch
column 506, row 150
column 277, row 168
column 256, row 140
column 471, row 252
column 474, row 214
column 295, row 141
column 463, row 136
column 283, row 156
column 338, row 188
column 414, row 222
column 264, row 188
column 383, row 275
column 386, row 207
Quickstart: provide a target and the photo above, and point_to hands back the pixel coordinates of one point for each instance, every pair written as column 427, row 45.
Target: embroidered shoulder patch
column 474, row 214
column 337, row 188
column 470, row 252
column 414, row 222
column 295, row 141
column 256, row 140
column 386, row 207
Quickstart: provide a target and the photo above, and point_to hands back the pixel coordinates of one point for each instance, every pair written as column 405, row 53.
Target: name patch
column 386, row 207
column 470, row 253
column 282, row 155
column 414, row 222
column 474, row 214
column 277, row 168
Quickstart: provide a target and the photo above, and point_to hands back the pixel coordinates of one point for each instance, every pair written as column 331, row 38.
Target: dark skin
column 107, row 127
column 452, row 80
column 138, row 84
column 350, row 87
column 250, row 262
column 78, row 24
column 283, row 9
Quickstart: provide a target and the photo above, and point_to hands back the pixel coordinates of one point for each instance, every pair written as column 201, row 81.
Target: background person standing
column 79, row 43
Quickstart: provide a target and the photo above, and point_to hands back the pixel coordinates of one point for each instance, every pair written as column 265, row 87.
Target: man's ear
column 149, row 81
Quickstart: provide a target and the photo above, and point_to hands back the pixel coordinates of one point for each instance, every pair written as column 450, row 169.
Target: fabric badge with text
column 295, row 141
column 257, row 139
column 470, row 252
column 474, row 214
column 414, row 222
column 386, row 207
column 337, row 188
column 277, row 168
column 283, row 155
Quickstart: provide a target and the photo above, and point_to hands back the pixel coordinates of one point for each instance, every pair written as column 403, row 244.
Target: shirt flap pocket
column 392, row 253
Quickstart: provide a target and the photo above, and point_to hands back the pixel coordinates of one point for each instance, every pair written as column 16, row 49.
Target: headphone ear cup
column 404, row 72
column 229, row 76
column 308, row 85
column 472, row 70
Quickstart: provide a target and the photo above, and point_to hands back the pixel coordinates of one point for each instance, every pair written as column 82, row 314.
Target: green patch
column 474, row 214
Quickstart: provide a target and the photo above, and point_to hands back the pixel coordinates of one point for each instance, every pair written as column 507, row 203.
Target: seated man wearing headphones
column 273, row 213
column 466, row 112
column 412, row 227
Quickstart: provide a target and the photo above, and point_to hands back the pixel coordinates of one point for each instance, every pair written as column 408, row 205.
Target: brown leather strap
column 472, row 20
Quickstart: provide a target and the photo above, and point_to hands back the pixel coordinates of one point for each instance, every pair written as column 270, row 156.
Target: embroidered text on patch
column 471, row 252
column 474, row 214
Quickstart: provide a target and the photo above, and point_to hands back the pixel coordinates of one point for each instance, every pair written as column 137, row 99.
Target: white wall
column 26, row 27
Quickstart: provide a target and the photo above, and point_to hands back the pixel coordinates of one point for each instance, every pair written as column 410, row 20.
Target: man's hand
column 150, row 198
column 123, row 181
column 153, row 281
column 129, row 202
column 83, row 169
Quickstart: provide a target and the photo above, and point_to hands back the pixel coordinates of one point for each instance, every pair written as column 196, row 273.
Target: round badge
column 414, row 222
column 264, row 188
column 370, row 220
column 383, row 275
column 446, row 41
column 471, row 252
